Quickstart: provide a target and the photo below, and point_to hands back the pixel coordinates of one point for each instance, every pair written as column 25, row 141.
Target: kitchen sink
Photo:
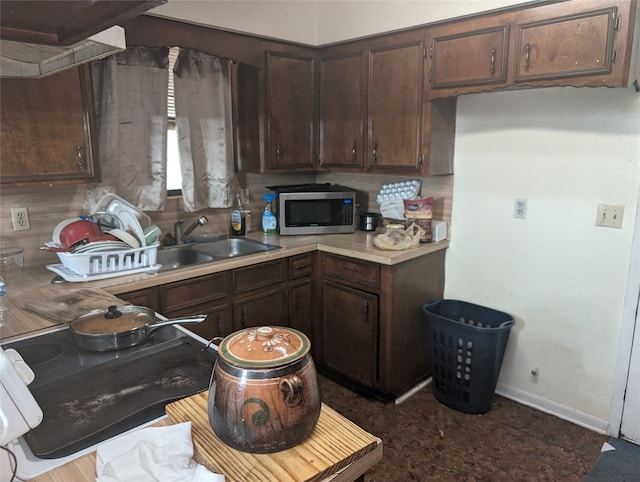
column 180, row 256
column 233, row 247
column 223, row 247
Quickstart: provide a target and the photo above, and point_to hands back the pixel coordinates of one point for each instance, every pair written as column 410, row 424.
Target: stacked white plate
column 99, row 246
column 133, row 220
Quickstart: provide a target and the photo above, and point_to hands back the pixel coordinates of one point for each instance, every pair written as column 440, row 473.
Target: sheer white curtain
column 205, row 134
column 130, row 91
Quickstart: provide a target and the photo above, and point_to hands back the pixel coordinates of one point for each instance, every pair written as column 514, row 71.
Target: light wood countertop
column 36, row 285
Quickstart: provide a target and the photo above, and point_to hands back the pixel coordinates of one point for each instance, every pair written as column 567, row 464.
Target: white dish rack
column 106, row 264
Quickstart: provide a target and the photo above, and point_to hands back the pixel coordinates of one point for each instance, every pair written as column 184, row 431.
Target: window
column 174, row 175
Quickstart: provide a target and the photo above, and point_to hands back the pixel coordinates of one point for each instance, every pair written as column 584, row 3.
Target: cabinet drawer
column 192, row 292
column 352, row 270
column 258, row 276
column 300, row 266
column 145, row 297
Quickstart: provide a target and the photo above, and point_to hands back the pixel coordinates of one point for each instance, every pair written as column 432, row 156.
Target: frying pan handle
column 188, row 319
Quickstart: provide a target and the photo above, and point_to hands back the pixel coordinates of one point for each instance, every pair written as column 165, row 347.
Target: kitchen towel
column 152, row 454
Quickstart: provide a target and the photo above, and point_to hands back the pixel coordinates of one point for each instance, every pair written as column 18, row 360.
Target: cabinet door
column 301, row 308
column 578, row 44
column 350, row 332
column 46, row 130
column 468, row 58
column 264, row 308
column 290, row 111
column 342, row 110
column 396, row 75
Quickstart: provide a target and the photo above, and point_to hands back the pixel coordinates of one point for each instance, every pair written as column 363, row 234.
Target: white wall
column 294, row 21
column 346, row 19
column 563, row 278
column 319, row 22
column 564, row 149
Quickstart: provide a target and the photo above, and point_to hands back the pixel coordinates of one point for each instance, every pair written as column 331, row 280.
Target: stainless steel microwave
column 327, row 211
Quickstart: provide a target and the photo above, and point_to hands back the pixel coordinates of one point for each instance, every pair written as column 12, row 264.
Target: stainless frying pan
column 120, row 327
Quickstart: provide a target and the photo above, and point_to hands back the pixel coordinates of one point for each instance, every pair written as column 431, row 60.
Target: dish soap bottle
column 269, row 221
column 238, row 225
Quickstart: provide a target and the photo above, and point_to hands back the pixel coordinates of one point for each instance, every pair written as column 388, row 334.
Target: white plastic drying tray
column 109, row 263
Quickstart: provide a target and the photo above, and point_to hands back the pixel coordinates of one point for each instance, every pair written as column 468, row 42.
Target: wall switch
column 520, row 209
column 609, row 215
column 20, row 218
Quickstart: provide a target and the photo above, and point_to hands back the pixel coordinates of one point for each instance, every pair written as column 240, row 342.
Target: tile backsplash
column 49, row 205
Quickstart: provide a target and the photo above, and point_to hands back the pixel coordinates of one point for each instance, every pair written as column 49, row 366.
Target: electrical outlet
column 520, row 209
column 20, row 218
column 609, row 215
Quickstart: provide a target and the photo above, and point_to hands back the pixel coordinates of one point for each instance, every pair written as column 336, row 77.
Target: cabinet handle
column 375, row 152
column 278, row 152
column 527, row 56
column 244, row 315
column 298, row 302
column 366, row 311
column 302, row 266
column 79, row 157
column 354, row 151
column 493, row 61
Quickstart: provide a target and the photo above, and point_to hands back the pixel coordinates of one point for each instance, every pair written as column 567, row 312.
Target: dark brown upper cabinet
column 395, row 103
column 342, row 111
column 48, row 130
column 570, row 43
column 373, row 114
column 584, row 43
column 472, row 53
column 290, row 111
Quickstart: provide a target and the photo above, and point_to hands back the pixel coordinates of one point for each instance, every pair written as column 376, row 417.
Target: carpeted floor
column 424, row 440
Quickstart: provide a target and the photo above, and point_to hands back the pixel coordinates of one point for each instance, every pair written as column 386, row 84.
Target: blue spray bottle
column 269, row 221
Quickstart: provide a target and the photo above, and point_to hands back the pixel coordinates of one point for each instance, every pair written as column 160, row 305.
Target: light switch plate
column 610, row 215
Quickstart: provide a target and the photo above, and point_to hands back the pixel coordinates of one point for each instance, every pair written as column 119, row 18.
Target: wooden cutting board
column 67, row 307
column 335, row 443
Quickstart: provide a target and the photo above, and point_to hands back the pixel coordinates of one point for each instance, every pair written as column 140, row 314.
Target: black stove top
column 88, row 397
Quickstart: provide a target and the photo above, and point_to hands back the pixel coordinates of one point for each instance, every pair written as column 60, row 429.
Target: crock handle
column 215, row 341
column 291, row 389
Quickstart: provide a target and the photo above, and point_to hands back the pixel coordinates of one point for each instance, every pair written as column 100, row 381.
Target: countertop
column 36, row 285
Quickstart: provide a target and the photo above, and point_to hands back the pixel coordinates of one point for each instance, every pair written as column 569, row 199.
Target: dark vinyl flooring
column 424, row 440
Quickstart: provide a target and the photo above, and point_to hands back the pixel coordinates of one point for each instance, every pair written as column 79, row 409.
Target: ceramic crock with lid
column 264, row 394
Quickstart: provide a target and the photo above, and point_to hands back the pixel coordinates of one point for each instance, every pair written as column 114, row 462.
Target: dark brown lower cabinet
column 255, row 295
column 364, row 319
column 350, row 331
column 301, row 313
column 262, row 308
column 374, row 334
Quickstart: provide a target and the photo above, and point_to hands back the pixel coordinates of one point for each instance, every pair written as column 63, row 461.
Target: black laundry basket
column 467, row 344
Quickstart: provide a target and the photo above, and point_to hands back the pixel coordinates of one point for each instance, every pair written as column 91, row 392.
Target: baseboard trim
column 553, row 408
column 413, row 391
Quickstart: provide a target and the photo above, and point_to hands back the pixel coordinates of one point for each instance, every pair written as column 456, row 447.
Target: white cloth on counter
column 152, row 454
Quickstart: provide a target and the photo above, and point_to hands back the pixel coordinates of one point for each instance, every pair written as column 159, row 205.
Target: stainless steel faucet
column 177, row 231
column 201, row 221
